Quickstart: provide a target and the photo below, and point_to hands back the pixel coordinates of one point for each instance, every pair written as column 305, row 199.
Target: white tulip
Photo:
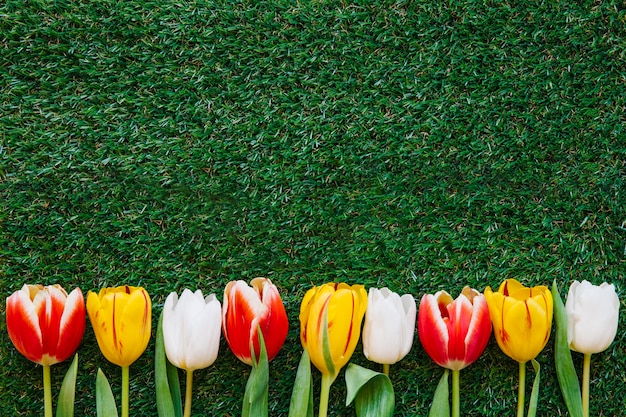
column 592, row 316
column 192, row 329
column 389, row 326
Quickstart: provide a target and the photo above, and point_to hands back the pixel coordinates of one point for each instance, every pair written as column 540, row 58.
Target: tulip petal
column 49, row 303
column 241, row 311
column 479, row 330
column 23, row 325
column 432, row 329
column 273, row 323
column 72, row 325
column 134, row 326
column 203, row 333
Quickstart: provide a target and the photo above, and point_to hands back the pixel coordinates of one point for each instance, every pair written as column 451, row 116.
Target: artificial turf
column 409, row 144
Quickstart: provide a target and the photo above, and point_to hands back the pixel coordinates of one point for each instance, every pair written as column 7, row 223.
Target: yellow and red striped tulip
column 521, row 317
column 454, row 333
column 245, row 309
column 336, row 310
column 121, row 318
column 45, row 324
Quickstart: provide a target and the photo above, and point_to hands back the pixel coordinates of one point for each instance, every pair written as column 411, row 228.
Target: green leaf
column 105, row 403
column 441, row 399
column 534, row 394
column 167, row 385
column 257, row 387
column 65, row 407
column 372, row 392
column 328, row 357
column 301, row 404
column 565, row 371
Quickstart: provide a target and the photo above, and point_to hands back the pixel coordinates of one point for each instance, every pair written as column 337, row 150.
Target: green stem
column 327, row 381
column 188, row 388
column 125, row 385
column 456, row 396
column 521, row 391
column 386, row 369
column 586, row 372
column 47, row 391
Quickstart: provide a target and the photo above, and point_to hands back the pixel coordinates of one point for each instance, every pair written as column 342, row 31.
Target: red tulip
column 454, row 333
column 46, row 324
column 247, row 308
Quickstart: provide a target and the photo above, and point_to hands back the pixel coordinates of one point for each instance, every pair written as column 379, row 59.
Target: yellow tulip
column 340, row 308
column 521, row 318
column 330, row 326
column 121, row 319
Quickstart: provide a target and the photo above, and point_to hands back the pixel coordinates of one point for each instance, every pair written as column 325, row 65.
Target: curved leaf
column 534, row 394
column 257, row 388
column 105, row 403
column 372, row 392
column 167, row 385
column 301, row 404
column 441, row 400
column 565, row 371
column 65, row 407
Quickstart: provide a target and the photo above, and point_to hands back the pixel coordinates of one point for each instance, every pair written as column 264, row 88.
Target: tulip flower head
column 454, row 333
column 121, row 318
column 45, row 324
column 389, row 326
column 192, row 327
column 336, row 310
column 521, row 318
column 592, row 316
column 247, row 308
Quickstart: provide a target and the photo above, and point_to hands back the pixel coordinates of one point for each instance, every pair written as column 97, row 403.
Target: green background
column 418, row 145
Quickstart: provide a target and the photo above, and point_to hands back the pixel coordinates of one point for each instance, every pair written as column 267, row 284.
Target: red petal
column 479, row 330
column 460, row 312
column 72, row 325
column 49, row 304
column 23, row 326
column 432, row 330
column 240, row 312
column 274, row 323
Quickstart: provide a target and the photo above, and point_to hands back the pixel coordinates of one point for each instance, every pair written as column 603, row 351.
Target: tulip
column 191, row 333
column 592, row 317
column 454, row 333
column 249, row 308
column 121, row 319
column 330, row 326
column 389, row 326
column 46, row 325
column 522, row 320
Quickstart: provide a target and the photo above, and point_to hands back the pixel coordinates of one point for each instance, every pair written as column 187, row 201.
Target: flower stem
column 188, row 388
column 386, row 369
column 521, row 391
column 125, row 385
column 586, row 372
column 47, row 391
column 456, row 397
column 327, row 380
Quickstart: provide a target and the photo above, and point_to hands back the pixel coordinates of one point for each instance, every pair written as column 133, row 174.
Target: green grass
column 415, row 145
